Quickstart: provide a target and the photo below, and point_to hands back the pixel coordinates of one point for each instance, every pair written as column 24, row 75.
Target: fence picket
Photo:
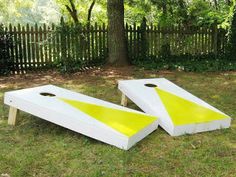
column 20, row 49
column 12, row 50
column 41, row 47
column 53, row 44
column 100, row 41
column 38, row 63
column 105, row 38
column 49, row 41
column 16, row 49
column 24, row 56
column 28, row 65
column 45, row 45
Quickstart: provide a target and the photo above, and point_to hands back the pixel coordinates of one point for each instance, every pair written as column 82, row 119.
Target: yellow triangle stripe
column 127, row 123
column 184, row 112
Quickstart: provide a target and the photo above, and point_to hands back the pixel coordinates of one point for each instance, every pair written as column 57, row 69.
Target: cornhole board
column 101, row 120
column 179, row 111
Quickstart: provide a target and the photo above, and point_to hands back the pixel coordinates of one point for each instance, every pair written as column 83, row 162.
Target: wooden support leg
column 12, row 116
column 124, row 100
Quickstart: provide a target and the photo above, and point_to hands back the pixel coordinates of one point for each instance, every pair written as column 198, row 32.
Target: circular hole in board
column 47, row 94
column 150, row 85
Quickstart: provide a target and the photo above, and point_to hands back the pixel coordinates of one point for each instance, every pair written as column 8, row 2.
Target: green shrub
column 188, row 63
column 232, row 36
column 73, row 58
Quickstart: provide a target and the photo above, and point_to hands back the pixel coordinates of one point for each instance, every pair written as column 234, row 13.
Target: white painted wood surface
column 55, row 111
column 148, row 100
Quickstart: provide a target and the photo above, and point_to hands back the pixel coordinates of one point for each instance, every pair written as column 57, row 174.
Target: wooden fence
column 151, row 41
column 39, row 47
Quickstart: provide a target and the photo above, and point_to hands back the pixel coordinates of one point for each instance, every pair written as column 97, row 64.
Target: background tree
column 83, row 11
column 135, row 10
column 163, row 12
column 29, row 11
column 117, row 46
column 72, row 11
column 90, row 11
column 232, row 35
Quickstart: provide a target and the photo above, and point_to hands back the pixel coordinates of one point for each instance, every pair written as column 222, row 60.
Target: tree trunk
column 164, row 8
column 73, row 12
column 90, row 12
column 117, row 46
column 216, row 4
column 228, row 2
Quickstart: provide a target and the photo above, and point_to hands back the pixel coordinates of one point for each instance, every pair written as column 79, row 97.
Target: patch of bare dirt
column 51, row 77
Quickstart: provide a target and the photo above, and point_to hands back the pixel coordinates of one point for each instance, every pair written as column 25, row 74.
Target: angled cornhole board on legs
column 98, row 119
column 179, row 111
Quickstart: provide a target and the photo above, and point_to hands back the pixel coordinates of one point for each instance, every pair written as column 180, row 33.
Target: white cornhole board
column 179, row 111
column 101, row 120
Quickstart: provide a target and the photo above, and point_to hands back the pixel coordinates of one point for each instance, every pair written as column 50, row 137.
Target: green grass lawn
column 35, row 147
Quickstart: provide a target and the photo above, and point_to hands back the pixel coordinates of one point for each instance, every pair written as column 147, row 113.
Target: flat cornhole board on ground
column 101, row 120
column 179, row 112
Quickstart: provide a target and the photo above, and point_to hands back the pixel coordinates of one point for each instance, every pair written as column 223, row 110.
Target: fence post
column 215, row 36
column 63, row 34
column 143, row 38
column 88, row 30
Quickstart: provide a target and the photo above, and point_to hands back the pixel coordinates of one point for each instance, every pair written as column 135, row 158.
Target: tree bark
column 216, row 4
column 73, row 12
column 164, row 7
column 228, row 2
column 117, row 46
column 90, row 11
